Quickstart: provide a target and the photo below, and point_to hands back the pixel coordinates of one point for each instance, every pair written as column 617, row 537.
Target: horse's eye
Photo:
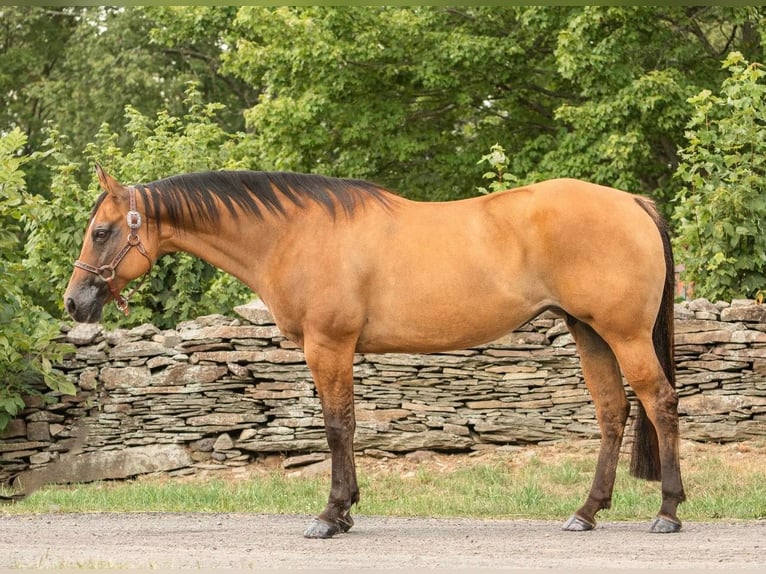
column 100, row 235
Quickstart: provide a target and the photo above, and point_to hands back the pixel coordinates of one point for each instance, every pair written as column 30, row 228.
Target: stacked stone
column 216, row 392
column 721, row 369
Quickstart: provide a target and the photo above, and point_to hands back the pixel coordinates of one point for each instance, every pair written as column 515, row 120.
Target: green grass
column 273, row 494
column 548, row 487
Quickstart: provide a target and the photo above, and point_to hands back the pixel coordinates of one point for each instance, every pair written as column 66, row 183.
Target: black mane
column 196, row 195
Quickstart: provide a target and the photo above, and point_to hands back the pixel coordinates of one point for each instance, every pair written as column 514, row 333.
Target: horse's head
column 118, row 247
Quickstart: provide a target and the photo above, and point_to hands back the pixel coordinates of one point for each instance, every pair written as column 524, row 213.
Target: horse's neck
column 236, row 246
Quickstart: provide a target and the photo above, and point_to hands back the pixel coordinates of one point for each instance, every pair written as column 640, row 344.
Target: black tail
column 645, row 458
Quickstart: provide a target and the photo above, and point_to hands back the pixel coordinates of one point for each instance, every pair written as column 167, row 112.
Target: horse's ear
column 108, row 183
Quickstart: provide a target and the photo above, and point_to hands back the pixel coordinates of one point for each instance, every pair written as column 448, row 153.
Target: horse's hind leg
column 331, row 365
column 644, row 373
column 604, row 381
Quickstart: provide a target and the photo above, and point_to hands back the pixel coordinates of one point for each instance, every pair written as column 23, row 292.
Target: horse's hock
column 217, row 392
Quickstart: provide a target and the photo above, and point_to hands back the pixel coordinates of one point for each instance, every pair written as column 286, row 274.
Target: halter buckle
column 134, row 220
column 121, row 302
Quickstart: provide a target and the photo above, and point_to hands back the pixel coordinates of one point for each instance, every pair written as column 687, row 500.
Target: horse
column 346, row 266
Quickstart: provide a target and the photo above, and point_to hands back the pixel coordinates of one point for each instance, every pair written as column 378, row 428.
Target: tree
column 633, row 68
column 408, row 97
column 721, row 210
column 71, row 69
column 411, row 97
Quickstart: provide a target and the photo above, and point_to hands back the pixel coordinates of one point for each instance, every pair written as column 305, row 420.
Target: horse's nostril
column 71, row 306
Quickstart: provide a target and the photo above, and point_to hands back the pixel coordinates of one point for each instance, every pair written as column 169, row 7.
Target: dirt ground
column 247, row 541
column 193, row 541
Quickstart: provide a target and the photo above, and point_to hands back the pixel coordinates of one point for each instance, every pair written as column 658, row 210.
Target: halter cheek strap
column 109, row 271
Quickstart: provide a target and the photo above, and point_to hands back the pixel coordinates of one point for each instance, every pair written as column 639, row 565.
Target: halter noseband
column 108, row 272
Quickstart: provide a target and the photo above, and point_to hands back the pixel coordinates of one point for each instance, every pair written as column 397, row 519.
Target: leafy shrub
column 721, row 210
column 27, row 337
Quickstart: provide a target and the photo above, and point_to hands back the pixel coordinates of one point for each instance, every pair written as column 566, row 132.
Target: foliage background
column 720, row 212
column 662, row 101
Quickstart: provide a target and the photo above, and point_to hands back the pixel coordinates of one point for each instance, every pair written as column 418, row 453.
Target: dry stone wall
column 217, row 392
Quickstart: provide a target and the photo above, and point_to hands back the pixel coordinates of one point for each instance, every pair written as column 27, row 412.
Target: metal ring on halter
column 112, row 273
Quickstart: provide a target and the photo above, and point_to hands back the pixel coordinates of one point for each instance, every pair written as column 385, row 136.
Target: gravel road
column 164, row 541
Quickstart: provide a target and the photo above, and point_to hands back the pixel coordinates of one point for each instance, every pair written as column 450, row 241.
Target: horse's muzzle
column 85, row 304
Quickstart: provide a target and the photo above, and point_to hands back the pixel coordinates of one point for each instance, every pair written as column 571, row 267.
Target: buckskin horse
column 347, row 267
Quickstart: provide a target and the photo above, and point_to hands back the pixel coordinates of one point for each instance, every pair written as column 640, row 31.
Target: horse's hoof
column 663, row 525
column 577, row 524
column 321, row 529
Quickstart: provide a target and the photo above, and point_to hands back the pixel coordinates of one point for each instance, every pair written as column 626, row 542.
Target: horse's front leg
column 332, row 368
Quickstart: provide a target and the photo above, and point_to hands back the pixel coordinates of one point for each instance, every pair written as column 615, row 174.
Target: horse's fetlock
column 676, row 497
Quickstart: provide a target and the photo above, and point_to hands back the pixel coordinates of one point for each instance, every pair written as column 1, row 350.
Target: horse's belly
column 438, row 329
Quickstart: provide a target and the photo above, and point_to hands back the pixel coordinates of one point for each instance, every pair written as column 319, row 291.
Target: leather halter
column 109, row 271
